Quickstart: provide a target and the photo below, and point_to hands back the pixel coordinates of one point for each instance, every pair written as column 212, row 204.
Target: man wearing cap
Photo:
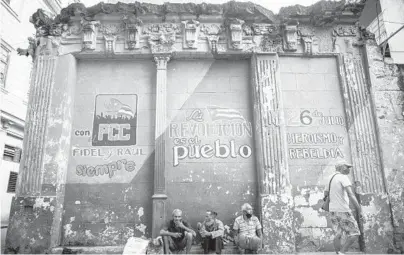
column 247, row 231
column 341, row 217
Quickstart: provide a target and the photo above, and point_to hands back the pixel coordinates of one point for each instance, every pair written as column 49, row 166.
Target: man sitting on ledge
column 211, row 231
column 177, row 234
column 247, row 231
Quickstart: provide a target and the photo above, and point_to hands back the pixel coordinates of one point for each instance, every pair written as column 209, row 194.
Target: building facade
column 137, row 109
column 14, row 83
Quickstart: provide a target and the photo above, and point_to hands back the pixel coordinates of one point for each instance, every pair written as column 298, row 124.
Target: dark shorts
column 344, row 222
column 176, row 244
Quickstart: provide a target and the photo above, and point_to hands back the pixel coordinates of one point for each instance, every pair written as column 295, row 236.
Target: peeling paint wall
column 209, row 150
column 388, row 91
column 317, row 139
column 109, row 188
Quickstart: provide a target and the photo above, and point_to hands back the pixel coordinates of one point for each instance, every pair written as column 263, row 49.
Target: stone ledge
column 88, row 250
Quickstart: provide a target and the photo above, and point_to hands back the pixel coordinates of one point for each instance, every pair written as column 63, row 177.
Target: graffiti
column 315, row 153
column 315, row 145
column 314, row 138
column 115, row 119
column 82, row 133
column 307, row 118
column 106, row 153
column 188, row 136
column 105, row 169
column 234, row 129
column 196, row 115
column 208, row 151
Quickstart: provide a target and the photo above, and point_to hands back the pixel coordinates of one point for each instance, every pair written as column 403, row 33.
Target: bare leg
column 349, row 241
column 166, row 244
column 189, row 241
column 337, row 243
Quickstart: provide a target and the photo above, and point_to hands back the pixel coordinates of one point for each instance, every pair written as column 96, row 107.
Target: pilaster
column 37, row 208
column 273, row 174
column 159, row 197
column 368, row 172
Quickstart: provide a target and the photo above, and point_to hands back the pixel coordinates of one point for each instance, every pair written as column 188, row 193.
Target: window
column 4, row 61
column 12, row 153
column 12, row 182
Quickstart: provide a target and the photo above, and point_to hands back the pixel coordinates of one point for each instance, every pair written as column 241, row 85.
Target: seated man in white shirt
column 247, row 231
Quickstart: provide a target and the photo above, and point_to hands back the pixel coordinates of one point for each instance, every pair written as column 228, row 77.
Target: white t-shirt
column 339, row 200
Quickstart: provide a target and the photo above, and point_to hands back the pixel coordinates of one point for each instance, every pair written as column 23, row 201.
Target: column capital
column 161, row 60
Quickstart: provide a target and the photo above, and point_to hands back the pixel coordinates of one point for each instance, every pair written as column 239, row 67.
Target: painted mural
column 210, row 148
column 316, row 139
column 115, row 120
column 110, row 172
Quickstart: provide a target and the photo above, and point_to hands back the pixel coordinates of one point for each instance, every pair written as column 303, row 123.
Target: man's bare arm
column 164, row 232
column 259, row 233
column 352, row 197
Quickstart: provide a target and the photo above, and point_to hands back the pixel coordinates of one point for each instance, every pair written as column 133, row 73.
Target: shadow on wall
column 109, row 213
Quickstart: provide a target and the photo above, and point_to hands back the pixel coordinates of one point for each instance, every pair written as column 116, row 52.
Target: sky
column 273, row 5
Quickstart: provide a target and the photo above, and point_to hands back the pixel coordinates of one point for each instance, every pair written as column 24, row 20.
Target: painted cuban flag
column 221, row 113
column 117, row 107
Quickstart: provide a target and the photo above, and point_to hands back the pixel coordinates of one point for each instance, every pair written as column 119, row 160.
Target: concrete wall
column 209, row 150
column 317, row 138
column 110, row 179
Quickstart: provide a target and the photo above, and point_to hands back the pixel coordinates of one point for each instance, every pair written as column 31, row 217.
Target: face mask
column 248, row 215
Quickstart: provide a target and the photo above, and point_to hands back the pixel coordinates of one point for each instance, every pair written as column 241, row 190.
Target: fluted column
column 368, row 169
column 159, row 196
column 272, row 166
column 37, row 208
column 29, row 181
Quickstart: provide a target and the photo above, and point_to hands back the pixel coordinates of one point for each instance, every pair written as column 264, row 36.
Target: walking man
column 247, row 231
column 177, row 234
column 341, row 217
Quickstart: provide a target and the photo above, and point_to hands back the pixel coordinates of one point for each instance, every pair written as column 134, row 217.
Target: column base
column 159, row 213
column 277, row 224
column 30, row 224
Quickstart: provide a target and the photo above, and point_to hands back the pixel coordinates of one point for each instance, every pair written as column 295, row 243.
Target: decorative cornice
column 232, row 28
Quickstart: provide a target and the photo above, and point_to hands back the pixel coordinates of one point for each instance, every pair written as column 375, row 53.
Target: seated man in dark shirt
column 211, row 231
column 177, row 234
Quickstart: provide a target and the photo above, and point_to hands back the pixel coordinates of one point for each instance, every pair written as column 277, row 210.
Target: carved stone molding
column 271, row 43
column 132, row 26
column 166, row 28
column 344, row 31
column 110, row 32
column 110, row 41
column 290, row 38
column 190, row 34
column 90, row 29
column 161, row 37
column 264, row 29
column 41, row 46
column 307, row 44
column 212, row 33
column 235, row 29
column 161, row 61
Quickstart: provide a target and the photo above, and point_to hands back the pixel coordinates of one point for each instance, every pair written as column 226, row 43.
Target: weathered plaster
column 108, row 211
column 388, row 92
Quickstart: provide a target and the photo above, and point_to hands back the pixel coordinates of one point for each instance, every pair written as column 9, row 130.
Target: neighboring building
column 14, row 84
column 385, row 19
column 137, row 109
